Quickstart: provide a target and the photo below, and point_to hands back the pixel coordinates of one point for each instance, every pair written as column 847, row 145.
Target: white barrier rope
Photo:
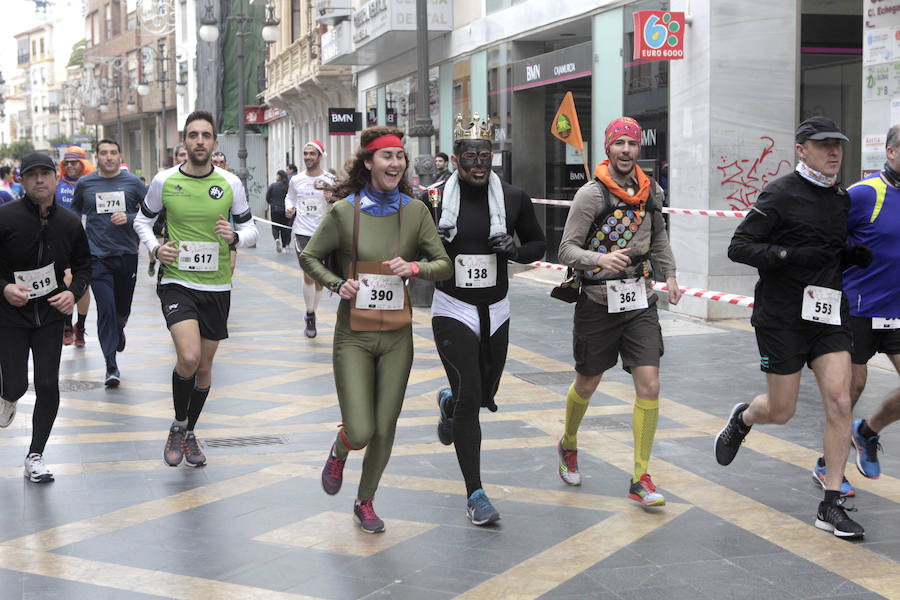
column 261, row 220
column 665, row 209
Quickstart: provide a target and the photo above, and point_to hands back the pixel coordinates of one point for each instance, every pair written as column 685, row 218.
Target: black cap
column 818, row 128
column 36, row 159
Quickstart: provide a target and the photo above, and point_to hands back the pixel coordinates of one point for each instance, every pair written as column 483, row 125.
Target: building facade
column 303, row 87
column 718, row 123
column 42, row 55
column 127, row 52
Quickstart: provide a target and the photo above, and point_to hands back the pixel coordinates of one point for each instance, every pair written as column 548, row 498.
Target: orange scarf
column 602, row 173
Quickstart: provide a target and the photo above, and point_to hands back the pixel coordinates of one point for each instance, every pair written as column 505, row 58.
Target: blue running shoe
column 480, row 510
column 819, row 476
column 445, row 425
column 866, row 452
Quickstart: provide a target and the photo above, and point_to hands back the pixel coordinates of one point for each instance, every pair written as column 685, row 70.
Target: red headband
column 385, row 141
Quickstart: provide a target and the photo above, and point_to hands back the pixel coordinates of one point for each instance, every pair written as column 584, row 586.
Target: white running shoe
column 36, row 470
column 278, row 246
column 7, row 412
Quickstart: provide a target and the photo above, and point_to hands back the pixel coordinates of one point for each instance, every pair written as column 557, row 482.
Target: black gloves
column 503, row 244
column 860, row 256
column 444, row 233
column 808, row 256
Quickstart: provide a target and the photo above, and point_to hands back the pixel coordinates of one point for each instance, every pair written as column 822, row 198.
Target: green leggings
column 371, row 370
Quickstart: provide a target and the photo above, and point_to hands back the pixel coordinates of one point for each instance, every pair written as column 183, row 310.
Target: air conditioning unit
column 331, row 12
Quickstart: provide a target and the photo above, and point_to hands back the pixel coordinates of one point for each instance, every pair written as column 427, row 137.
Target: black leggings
column 474, row 371
column 284, row 233
column 45, row 344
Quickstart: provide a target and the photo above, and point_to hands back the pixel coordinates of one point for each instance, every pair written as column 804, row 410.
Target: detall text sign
column 658, row 35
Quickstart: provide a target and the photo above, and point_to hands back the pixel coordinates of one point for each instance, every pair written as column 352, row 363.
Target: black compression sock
column 81, row 319
column 832, row 496
column 68, row 320
column 198, row 399
column 181, row 394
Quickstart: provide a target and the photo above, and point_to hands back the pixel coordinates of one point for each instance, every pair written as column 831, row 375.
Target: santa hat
column 318, row 146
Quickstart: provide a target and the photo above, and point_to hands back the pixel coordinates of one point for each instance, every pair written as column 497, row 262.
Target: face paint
column 474, row 162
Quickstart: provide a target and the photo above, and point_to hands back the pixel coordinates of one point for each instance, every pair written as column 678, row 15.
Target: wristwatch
column 233, row 245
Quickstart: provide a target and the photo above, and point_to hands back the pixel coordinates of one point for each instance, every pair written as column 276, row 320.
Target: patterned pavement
column 254, row 523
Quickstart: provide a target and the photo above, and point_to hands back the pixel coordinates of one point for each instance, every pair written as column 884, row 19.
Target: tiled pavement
column 255, row 523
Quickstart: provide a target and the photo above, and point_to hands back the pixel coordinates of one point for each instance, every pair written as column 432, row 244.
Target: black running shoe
column 729, row 440
column 833, row 517
column 445, row 424
column 310, row 329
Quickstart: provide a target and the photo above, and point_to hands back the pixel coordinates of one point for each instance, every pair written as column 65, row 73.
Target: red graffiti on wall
column 750, row 175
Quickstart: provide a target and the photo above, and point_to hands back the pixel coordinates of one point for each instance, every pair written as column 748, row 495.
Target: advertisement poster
column 658, row 35
column 880, row 79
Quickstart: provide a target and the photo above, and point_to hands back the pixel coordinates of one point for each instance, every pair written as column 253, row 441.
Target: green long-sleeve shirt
column 377, row 241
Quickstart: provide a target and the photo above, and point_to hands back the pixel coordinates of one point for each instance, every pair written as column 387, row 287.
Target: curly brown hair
column 358, row 176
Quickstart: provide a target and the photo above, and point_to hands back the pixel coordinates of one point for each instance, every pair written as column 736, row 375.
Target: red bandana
column 619, row 127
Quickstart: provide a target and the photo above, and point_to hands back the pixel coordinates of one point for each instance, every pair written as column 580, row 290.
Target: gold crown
column 475, row 130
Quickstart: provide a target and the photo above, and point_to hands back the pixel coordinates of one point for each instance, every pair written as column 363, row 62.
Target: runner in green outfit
column 195, row 277
column 371, row 368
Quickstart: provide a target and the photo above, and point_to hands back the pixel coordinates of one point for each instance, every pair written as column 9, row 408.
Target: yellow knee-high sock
column 576, row 406
column 643, row 427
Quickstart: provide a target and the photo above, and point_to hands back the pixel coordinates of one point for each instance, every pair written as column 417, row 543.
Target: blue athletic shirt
column 64, row 191
column 105, row 238
column 874, row 221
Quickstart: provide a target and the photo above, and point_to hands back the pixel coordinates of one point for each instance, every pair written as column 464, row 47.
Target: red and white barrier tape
column 705, row 213
column 547, row 265
column 735, row 299
column 709, row 295
column 665, row 209
column 552, row 202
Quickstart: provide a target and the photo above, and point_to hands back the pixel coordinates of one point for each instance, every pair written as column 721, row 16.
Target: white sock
column 316, row 301
column 309, row 296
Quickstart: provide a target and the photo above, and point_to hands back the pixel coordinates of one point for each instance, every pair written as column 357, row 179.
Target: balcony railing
column 299, row 62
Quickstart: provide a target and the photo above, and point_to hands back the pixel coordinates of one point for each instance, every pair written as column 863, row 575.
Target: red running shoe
column 644, row 491
column 67, row 336
column 333, row 473
column 364, row 514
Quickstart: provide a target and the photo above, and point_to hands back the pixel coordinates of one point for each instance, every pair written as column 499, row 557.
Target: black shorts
column 600, row 337
column 209, row 309
column 867, row 341
column 785, row 351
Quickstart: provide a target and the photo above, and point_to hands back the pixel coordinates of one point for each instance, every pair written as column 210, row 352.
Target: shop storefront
column 719, row 120
column 539, row 84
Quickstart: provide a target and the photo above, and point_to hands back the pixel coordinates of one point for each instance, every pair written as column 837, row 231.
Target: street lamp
column 162, row 78
column 108, row 89
column 209, row 32
column 270, row 33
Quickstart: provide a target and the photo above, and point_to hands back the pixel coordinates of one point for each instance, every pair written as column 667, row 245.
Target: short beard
column 615, row 169
column 198, row 163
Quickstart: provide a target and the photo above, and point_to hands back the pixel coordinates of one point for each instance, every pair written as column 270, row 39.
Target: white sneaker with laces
column 36, row 470
column 7, row 412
